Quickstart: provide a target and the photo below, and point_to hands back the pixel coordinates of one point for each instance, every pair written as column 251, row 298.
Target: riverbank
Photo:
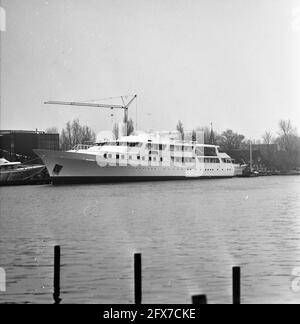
column 47, row 180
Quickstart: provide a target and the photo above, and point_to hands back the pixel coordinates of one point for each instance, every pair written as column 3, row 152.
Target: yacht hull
column 72, row 167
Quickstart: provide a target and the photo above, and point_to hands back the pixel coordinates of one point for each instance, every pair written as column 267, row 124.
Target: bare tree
column 180, row 129
column 75, row 134
column 286, row 128
column 268, row 138
column 116, row 131
column 230, row 140
column 130, row 127
column 287, row 136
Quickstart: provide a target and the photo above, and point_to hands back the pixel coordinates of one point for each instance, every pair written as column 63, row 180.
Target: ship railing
column 79, row 147
column 182, row 142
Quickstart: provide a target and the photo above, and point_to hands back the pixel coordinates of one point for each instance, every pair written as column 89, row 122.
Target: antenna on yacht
column 95, row 105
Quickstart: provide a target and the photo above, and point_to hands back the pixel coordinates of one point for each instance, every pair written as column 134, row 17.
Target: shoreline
column 48, row 181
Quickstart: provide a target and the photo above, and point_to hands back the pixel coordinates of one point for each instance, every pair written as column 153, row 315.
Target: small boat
column 18, row 172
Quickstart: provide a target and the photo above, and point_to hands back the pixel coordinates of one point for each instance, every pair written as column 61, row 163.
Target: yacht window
column 210, row 151
column 136, row 144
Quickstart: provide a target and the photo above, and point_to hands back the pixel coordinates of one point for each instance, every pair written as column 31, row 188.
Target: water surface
column 190, row 234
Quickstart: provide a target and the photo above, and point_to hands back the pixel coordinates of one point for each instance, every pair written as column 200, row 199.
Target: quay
column 47, row 180
column 30, row 182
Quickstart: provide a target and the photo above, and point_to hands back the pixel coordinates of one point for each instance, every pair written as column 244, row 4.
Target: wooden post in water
column 199, row 300
column 56, row 282
column 138, row 278
column 236, row 285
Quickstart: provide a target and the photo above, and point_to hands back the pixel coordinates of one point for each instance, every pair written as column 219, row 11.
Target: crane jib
column 83, row 104
column 95, row 105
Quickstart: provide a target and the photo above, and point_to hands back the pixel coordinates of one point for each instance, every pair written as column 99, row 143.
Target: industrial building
column 19, row 144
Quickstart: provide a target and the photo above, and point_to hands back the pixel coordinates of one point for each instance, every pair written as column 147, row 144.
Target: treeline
column 286, row 153
column 74, row 134
column 279, row 151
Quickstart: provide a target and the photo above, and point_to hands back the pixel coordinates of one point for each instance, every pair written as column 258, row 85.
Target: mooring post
column 236, row 285
column 199, row 299
column 138, row 278
column 56, row 283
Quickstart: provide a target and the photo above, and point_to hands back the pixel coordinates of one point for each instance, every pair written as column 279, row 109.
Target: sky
column 230, row 62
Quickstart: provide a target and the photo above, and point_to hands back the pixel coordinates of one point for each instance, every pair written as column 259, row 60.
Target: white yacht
column 144, row 157
column 16, row 172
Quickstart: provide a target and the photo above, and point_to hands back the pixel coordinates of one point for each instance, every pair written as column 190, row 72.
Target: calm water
column 190, row 234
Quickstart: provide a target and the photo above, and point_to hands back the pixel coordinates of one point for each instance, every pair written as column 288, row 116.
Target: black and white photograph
column 149, row 154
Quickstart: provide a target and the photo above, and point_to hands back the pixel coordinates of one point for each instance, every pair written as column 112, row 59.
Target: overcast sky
column 231, row 62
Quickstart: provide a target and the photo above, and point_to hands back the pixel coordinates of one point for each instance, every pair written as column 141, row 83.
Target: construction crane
column 95, row 105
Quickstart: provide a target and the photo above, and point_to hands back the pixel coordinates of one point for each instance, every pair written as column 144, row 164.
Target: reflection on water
column 190, row 234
